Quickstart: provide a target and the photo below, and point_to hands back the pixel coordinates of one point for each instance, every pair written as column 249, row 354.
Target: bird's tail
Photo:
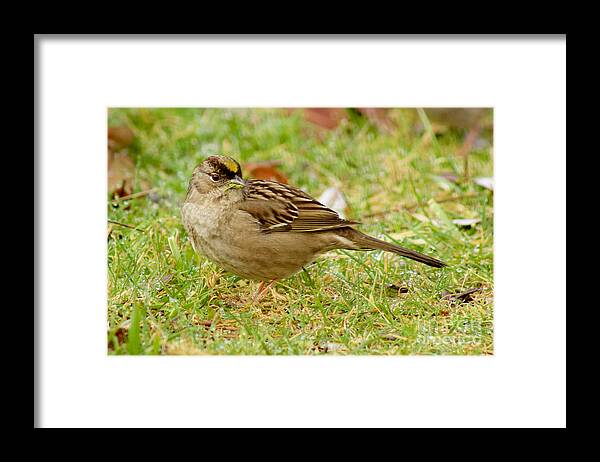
column 365, row 242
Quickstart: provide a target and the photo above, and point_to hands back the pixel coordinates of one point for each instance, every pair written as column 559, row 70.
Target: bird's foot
column 262, row 289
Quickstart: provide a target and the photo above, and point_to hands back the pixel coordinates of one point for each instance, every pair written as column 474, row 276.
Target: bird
column 264, row 230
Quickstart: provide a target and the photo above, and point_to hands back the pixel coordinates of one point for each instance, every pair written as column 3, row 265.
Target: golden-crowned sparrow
column 264, row 230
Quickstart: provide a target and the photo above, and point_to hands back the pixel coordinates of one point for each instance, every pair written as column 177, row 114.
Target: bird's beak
column 237, row 182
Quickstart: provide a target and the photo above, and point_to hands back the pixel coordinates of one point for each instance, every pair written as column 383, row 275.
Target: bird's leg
column 262, row 289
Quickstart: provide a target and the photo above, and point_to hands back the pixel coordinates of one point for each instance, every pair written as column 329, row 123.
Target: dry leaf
column 471, row 119
column 121, row 168
column 265, row 171
column 334, row 199
column 485, row 182
column 328, row 118
column 121, row 173
column 462, row 297
column 120, row 334
column 467, row 118
column 379, row 117
column 119, row 137
column 466, row 222
column 331, row 346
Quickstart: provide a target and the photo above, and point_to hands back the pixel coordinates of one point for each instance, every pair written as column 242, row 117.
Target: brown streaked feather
column 279, row 207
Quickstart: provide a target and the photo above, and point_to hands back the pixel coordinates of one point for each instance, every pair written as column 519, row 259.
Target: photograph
column 300, row 231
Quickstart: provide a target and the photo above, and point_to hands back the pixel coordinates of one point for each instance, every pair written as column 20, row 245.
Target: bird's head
column 217, row 173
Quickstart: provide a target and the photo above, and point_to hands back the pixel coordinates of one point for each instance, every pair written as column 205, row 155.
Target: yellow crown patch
column 230, row 164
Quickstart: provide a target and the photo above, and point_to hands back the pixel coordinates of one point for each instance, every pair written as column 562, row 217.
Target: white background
column 523, row 384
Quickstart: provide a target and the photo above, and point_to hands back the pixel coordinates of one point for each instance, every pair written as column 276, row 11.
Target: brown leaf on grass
column 462, row 297
column 473, row 120
column 328, row 118
column 379, row 117
column 467, row 118
column 121, row 168
column 119, row 137
column 121, row 335
column 121, row 173
column 265, row 171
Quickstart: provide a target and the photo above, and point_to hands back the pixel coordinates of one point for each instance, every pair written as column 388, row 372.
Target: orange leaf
column 265, row 171
column 119, row 137
column 328, row 118
column 121, row 171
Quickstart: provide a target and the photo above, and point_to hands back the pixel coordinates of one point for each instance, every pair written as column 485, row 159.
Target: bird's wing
column 279, row 207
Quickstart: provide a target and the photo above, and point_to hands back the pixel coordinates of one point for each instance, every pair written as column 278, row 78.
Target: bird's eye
column 214, row 177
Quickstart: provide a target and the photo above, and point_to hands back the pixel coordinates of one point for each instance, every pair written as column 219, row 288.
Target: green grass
column 165, row 299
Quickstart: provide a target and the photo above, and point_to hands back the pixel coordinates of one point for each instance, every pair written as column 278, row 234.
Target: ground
column 405, row 185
